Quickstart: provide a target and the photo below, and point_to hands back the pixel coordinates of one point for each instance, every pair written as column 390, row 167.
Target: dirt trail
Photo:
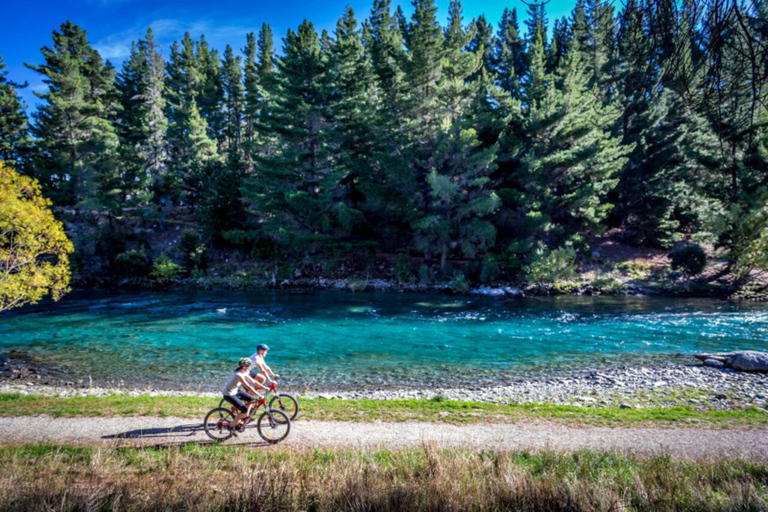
column 689, row 443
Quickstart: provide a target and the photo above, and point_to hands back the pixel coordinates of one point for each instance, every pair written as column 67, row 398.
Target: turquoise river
column 339, row 340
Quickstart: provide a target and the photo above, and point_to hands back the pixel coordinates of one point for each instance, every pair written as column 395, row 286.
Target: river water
column 339, row 340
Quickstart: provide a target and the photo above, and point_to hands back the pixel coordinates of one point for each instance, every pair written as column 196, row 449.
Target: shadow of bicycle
column 179, row 435
column 178, row 431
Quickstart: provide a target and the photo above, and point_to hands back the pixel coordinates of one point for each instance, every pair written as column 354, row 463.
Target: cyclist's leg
column 239, row 405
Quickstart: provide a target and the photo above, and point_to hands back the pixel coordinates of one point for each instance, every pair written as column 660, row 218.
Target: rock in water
column 748, row 361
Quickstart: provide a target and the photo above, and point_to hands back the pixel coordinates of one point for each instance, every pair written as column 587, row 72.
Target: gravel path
column 689, row 443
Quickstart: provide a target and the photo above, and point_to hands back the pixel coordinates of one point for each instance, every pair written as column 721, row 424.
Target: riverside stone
column 749, row 361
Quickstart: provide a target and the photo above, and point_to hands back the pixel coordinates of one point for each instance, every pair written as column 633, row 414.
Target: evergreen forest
column 453, row 142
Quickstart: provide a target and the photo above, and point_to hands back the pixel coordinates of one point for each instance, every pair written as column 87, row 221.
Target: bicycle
column 273, row 426
column 281, row 401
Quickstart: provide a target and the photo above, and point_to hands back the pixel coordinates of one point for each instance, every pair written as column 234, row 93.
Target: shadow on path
column 179, row 436
column 165, row 433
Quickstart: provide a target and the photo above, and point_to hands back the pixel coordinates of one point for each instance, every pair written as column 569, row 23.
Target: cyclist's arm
column 273, row 374
column 264, row 369
column 253, row 383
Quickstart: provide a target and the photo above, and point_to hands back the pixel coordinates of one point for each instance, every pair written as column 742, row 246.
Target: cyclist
column 235, row 395
column 258, row 360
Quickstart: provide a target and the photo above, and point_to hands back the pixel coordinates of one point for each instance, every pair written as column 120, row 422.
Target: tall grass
column 194, row 477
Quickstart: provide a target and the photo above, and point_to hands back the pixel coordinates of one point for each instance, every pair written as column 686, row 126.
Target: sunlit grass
column 437, row 410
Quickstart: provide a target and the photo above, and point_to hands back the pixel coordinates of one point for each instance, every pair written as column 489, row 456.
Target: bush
column 403, row 272
column 489, row 271
column 164, row 270
column 690, row 260
column 133, row 264
column 193, row 252
column 426, row 276
column 635, row 269
column 459, row 283
column 557, row 265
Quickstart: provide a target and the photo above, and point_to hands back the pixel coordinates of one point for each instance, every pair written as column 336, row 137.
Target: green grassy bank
column 222, row 478
column 440, row 410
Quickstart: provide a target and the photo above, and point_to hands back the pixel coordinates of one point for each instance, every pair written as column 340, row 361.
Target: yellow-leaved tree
column 34, row 250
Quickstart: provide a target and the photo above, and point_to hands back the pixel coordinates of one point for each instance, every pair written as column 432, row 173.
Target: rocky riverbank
column 685, row 384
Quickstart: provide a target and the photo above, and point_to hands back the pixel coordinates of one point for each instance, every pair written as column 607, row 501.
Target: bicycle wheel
column 217, row 422
column 273, row 426
column 287, row 404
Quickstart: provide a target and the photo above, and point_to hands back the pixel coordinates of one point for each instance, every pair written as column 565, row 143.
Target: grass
column 214, row 477
column 439, row 409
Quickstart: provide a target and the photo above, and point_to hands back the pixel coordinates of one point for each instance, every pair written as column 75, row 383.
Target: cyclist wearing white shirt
column 234, row 395
column 258, row 360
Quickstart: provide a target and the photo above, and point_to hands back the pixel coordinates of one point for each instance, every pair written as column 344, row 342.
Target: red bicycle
column 281, row 401
column 273, row 425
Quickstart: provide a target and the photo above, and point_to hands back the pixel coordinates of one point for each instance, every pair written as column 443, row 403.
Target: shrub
column 164, row 270
column 635, row 269
column 689, row 260
column 557, row 265
column 403, row 272
column 426, row 276
column 193, row 252
column 489, row 271
column 459, row 283
column 133, row 264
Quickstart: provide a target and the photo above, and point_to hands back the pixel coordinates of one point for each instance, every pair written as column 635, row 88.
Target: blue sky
column 113, row 24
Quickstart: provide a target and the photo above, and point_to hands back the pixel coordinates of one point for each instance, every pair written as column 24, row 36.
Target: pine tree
column 538, row 79
column 76, row 145
column 252, row 97
column 14, row 140
column 142, row 124
column 426, row 50
column 233, row 87
column 211, row 95
column 482, row 44
column 573, row 160
column 195, row 156
column 351, row 114
column 293, row 182
column 509, row 54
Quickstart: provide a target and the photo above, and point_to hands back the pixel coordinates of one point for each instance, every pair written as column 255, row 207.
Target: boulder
column 743, row 361
column 749, row 361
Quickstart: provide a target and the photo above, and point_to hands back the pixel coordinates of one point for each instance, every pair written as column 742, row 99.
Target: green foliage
column 193, row 252
column 459, row 283
column 403, row 270
column 34, row 250
column 551, row 267
column 76, row 145
column 445, row 141
column 164, row 270
column 489, row 271
column 133, row 264
column 14, row 139
column 689, row 259
column 635, row 269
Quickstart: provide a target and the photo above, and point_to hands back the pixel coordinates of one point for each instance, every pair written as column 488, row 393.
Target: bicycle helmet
column 243, row 362
column 262, row 346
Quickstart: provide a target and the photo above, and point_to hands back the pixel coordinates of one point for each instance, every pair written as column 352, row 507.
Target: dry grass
column 194, row 477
